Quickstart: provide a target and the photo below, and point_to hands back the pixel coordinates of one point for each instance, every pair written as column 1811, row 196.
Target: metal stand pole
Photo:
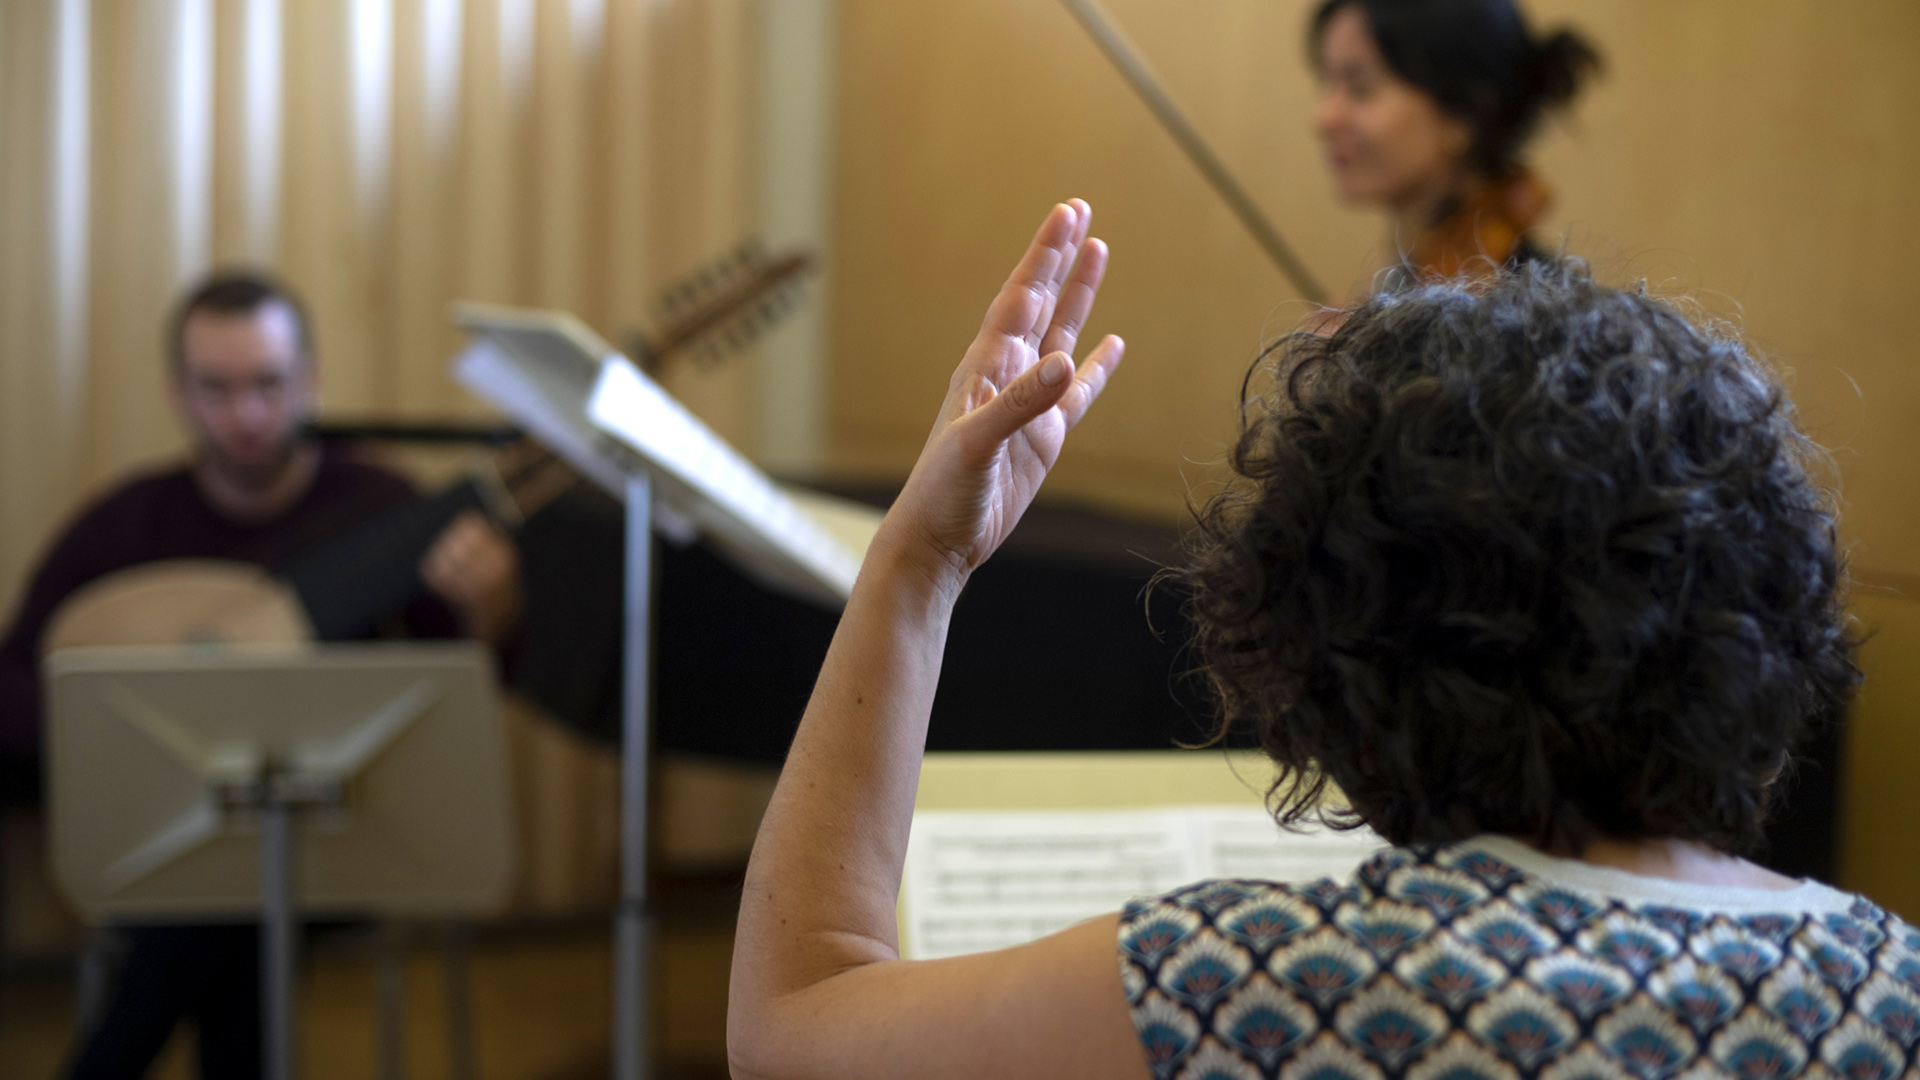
column 460, row 1046
column 97, row 959
column 633, row 930
column 276, row 934
column 392, row 978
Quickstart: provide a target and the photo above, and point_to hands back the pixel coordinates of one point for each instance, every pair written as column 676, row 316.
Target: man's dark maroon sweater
column 163, row 515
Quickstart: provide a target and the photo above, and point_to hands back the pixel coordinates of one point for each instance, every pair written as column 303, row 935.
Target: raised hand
column 816, row 971
column 1010, row 404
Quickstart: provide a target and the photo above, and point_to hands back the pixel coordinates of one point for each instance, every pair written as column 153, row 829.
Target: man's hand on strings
column 476, row 569
column 1010, row 404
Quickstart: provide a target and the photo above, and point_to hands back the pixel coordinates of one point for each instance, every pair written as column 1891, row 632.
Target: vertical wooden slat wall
column 388, row 157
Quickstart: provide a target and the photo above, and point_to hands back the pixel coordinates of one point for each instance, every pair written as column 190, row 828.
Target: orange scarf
column 1482, row 232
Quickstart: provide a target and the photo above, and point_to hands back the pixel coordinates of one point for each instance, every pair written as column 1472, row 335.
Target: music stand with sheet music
column 583, row 400
column 208, row 782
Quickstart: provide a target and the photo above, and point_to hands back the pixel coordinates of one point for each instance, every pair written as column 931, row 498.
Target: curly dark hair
column 1531, row 556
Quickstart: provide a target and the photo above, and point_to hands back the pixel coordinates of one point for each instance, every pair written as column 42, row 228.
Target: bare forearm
column 821, row 887
column 818, row 989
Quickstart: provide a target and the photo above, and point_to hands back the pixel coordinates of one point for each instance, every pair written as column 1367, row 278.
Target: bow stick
column 1125, row 57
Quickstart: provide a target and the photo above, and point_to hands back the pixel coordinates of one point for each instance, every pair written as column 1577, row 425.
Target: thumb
column 1027, row 397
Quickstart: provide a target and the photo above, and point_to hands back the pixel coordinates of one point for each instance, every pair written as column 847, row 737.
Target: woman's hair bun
column 1563, row 62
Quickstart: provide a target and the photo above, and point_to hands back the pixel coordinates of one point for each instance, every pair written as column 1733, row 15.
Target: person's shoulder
column 1429, row 876
column 1255, row 913
column 107, row 532
column 137, row 495
column 1873, row 929
column 1223, row 946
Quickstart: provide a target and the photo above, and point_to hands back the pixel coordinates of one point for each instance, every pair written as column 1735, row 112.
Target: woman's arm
column 818, row 987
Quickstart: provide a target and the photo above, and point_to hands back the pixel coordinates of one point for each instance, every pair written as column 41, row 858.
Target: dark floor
column 541, row 1000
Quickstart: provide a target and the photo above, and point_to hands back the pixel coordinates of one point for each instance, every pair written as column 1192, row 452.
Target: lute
column 339, row 590
column 349, row 584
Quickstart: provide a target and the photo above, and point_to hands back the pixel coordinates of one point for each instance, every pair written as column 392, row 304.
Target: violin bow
column 1134, row 69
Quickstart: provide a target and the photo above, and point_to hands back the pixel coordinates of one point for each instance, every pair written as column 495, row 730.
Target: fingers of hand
column 1092, row 378
column 1076, row 299
column 459, row 539
column 1040, row 388
column 1044, row 320
column 470, row 556
column 1027, row 296
column 1083, row 221
column 436, row 569
column 1045, row 301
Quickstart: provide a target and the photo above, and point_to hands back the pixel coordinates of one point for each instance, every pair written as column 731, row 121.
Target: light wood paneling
column 1762, row 156
column 1881, row 817
column 960, row 124
column 386, row 157
column 1759, row 156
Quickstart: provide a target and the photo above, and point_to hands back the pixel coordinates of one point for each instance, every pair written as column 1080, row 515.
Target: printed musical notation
column 978, row 880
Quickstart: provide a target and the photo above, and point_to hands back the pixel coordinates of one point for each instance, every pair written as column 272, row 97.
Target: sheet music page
column 542, row 401
column 751, row 511
column 979, row 880
column 1246, row 843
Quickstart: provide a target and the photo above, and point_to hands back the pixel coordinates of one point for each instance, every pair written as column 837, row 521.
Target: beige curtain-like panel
column 386, row 156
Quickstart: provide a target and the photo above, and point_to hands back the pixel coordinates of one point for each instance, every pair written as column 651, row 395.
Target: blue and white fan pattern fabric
column 1447, row 963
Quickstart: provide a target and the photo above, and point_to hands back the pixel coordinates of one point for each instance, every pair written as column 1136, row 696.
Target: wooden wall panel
column 1881, row 815
column 960, row 124
column 1757, row 155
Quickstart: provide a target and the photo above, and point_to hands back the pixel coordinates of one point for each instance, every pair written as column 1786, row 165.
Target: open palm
column 1012, row 400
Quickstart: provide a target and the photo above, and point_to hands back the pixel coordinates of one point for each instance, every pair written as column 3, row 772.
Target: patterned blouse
column 1486, row 960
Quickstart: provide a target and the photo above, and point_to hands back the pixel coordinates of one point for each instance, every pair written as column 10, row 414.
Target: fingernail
column 1053, row 369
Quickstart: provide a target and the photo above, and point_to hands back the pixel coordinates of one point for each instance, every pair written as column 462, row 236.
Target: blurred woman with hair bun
column 1425, row 107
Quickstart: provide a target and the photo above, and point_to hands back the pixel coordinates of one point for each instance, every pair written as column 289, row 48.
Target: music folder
column 591, row 405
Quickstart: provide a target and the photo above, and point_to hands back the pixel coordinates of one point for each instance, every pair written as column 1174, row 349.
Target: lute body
column 180, row 602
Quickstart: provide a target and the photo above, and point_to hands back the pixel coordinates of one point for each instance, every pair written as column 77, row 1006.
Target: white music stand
column 586, row 402
column 209, row 782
